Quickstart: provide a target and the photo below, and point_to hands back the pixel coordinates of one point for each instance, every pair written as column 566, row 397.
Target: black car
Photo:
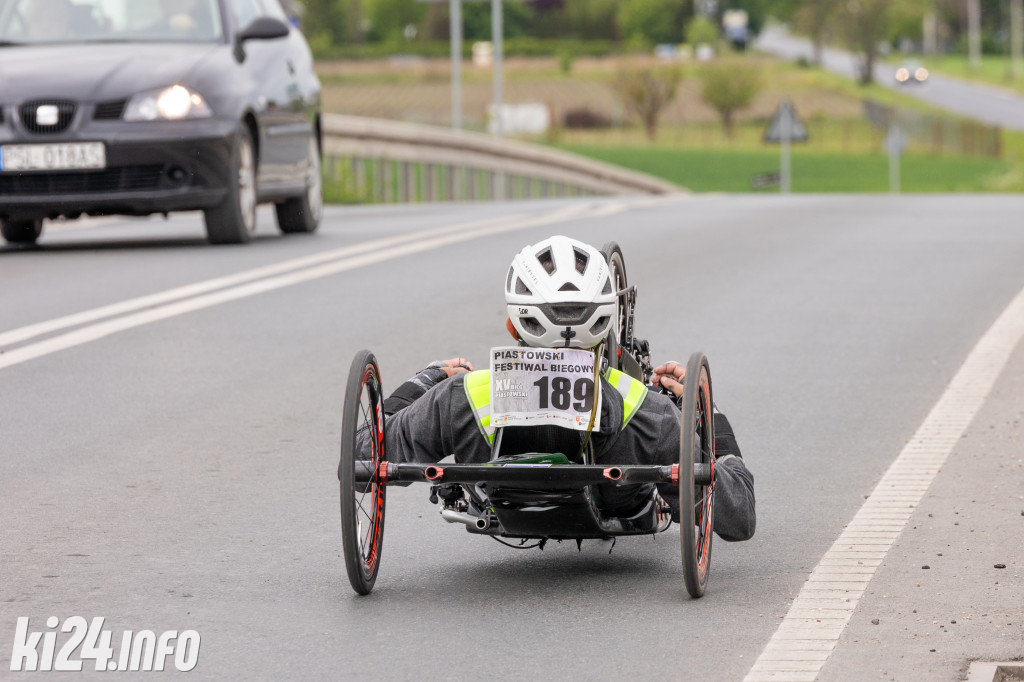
column 150, row 106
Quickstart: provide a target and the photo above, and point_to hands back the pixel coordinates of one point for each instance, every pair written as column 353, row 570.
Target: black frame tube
column 555, row 475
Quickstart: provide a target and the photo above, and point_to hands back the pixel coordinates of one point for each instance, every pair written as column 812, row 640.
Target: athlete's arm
column 434, row 373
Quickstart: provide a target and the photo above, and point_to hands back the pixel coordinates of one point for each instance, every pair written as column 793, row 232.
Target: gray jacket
column 427, row 424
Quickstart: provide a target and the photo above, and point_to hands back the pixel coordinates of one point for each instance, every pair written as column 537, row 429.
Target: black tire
column 234, row 220
column 696, row 502
column 617, row 267
column 362, row 504
column 24, row 232
column 302, row 214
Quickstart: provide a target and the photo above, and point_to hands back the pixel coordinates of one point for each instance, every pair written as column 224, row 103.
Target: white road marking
column 49, row 326
column 301, row 270
column 821, row 611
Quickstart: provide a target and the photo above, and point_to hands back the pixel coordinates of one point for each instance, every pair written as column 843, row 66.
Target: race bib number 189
column 532, row 386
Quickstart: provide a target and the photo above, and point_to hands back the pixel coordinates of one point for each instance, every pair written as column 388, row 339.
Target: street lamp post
column 497, row 40
column 455, row 17
column 974, row 33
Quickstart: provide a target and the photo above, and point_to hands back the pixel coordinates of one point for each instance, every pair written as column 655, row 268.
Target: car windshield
column 63, row 21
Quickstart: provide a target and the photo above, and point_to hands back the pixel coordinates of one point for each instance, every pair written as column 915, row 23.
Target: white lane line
column 822, row 609
column 445, row 237
column 27, row 332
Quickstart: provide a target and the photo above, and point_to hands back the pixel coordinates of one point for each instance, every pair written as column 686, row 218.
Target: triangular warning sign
column 785, row 123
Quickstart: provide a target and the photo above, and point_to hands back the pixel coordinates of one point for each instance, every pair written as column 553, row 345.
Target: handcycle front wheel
column 696, row 446
column 362, row 504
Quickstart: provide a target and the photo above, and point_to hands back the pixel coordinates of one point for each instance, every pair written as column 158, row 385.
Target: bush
column 729, row 87
column 702, row 31
column 514, row 47
column 584, row 118
column 565, row 60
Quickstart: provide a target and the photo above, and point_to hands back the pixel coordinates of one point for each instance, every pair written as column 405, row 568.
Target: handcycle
column 529, row 495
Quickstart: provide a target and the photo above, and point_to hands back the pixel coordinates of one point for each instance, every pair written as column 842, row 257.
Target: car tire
column 302, row 213
column 234, row 220
column 21, row 231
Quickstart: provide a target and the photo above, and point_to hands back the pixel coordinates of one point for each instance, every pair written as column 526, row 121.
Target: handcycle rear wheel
column 696, row 446
column 362, row 505
column 617, row 270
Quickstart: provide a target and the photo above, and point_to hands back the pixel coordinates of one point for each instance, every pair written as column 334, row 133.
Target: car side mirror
column 262, row 28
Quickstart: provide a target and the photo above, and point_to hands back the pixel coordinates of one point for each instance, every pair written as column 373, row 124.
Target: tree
column 660, row 21
column 816, row 18
column 388, row 18
column 729, row 87
column 325, row 22
column 594, row 19
column 863, row 24
column 476, row 17
column 646, row 92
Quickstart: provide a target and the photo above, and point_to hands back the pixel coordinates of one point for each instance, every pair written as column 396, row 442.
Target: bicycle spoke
column 359, row 506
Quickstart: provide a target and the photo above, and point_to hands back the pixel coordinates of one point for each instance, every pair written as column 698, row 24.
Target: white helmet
column 559, row 293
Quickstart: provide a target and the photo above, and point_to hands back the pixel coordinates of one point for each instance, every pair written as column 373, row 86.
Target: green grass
column 704, row 170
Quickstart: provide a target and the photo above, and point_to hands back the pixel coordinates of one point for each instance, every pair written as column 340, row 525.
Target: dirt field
column 419, row 90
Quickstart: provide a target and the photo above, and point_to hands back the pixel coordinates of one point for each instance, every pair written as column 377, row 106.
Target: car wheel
column 21, row 231
column 302, row 213
column 234, row 221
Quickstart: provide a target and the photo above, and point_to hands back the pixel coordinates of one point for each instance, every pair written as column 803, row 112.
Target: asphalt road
column 979, row 101
column 170, row 464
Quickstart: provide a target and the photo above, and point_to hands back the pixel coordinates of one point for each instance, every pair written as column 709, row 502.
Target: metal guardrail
column 938, row 133
column 382, row 161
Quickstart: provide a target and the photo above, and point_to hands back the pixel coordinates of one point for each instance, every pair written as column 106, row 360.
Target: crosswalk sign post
column 784, row 128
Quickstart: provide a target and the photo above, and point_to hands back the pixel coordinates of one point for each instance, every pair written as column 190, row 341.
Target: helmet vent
column 547, row 261
column 568, row 286
column 521, row 288
column 607, row 286
column 532, row 325
column 508, row 281
column 569, row 314
column 600, row 326
column 581, row 260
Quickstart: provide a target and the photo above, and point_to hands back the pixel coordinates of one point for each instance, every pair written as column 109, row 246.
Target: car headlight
column 167, row 104
column 902, row 74
column 921, row 74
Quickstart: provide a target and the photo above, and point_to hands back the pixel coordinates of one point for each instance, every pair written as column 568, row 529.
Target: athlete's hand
column 456, row 366
column 670, row 376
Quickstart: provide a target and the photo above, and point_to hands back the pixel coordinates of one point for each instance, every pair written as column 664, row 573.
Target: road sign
column 895, row 144
column 896, row 140
column 786, row 125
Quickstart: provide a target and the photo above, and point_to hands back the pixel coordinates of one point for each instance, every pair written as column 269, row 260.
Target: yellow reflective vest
column 478, row 393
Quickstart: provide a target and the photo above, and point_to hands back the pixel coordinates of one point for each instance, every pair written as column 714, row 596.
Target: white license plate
column 61, row 156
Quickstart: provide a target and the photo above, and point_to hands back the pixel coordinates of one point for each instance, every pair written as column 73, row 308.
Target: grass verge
column 703, row 170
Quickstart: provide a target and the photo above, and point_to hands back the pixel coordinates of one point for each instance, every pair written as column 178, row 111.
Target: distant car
column 911, row 73
column 150, row 106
